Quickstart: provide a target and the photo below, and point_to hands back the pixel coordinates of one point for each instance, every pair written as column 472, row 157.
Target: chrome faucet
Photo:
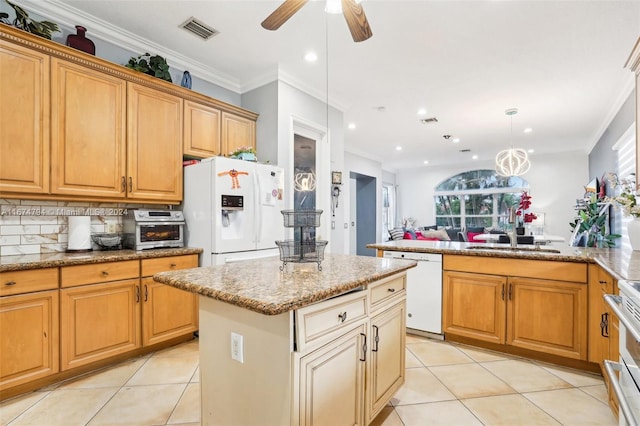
column 512, row 220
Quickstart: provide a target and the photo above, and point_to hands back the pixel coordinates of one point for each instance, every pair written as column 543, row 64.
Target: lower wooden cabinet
column 543, row 315
column 28, row 337
column 99, row 321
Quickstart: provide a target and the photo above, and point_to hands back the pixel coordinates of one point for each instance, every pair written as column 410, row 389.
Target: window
column 626, row 165
column 388, row 209
column 477, row 198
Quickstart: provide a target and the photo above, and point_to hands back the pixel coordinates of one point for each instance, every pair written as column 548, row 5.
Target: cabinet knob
column 10, row 283
column 105, row 273
column 173, row 265
column 391, row 290
column 342, row 316
column 603, row 282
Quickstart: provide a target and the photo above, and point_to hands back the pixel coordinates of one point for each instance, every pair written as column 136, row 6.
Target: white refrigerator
column 232, row 209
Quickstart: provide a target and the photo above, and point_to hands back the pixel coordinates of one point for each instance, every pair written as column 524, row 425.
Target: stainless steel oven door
column 159, row 234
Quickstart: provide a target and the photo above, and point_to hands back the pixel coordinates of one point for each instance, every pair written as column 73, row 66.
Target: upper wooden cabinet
column 237, row 132
column 88, row 131
column 201, row 130
column 154, row 144
column 115, row 134
column 24, row 119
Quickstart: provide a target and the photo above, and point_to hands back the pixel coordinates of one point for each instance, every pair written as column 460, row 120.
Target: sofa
column 433, row 233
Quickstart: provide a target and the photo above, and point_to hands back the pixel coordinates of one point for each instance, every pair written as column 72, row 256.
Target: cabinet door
column 87, row 131
column 99, row 321
column 154, row 145
column 385, row 372
column 28, row 337
column 24, row 120
column 600, row 316
column 548, row 316
column 237, row 132
column 474, row 306
column 330, row 386
column 167, row 312
column 201, row 130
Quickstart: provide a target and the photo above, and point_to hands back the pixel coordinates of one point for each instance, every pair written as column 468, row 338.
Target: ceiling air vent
column 428, row 120
column 199, row 28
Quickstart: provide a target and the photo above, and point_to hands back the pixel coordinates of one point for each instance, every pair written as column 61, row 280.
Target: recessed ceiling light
column 456, row 140
column 311, row 57
column 528, row 130
column 398, row 148
column 352, row 126
column 475, row 157
column 422, row 111
column 530, row 150
column 426, row 161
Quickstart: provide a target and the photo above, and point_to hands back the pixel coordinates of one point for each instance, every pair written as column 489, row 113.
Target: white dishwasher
column 424, row 291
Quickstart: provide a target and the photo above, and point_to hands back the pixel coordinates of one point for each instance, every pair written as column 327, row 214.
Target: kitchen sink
column 514, row 249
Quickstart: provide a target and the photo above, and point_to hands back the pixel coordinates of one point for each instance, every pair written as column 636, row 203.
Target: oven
column 148, row 229
column 626, row 386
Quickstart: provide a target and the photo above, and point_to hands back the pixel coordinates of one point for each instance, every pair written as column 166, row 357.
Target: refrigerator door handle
column 257, row 187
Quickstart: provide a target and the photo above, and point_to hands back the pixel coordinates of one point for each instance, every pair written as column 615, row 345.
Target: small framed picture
column 336, row 178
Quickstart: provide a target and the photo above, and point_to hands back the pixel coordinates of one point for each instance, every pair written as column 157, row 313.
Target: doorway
column 362, row 214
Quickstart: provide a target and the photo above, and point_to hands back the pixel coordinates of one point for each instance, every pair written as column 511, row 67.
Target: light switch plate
column 237, row 347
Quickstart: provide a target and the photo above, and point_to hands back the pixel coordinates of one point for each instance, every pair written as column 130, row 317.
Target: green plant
column 242, row 150
column 22, row 21
column 593, row 220
column 154, row 65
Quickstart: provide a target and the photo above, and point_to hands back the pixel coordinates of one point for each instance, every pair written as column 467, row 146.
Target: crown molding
column 69, row 16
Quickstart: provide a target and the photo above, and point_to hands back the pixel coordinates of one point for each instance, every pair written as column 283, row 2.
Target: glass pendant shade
column 512, row 162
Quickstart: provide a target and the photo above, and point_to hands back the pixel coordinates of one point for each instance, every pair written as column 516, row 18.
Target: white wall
column 556, row 181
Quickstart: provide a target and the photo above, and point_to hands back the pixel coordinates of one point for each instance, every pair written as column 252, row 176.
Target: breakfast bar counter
column 299, row 346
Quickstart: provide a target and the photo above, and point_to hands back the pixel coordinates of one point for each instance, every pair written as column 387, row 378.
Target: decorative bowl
column 108, row 241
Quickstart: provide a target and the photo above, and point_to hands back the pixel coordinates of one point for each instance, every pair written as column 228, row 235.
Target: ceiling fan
column 351, row 9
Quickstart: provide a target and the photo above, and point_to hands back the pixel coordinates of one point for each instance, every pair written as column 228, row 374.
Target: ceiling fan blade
column 282, row 14
column 356, row 20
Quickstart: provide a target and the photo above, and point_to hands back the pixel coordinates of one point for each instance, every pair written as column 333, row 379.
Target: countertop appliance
column 424, row 292
column 232, row 209
column 626, row 307
column 147, row 229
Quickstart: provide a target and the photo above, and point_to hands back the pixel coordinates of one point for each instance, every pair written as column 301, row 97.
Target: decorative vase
column 186, row 80
column 520, row 230
column 248, row 156
column 633, row 231
column 80, row 42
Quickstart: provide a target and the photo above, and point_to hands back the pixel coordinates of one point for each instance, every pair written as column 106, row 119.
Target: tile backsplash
column 32, row 226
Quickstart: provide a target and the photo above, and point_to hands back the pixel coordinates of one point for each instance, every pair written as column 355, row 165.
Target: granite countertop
column 260, row 286
column 52, row 260
column 621, row 263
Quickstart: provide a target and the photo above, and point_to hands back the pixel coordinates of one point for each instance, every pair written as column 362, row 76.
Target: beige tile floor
column 446, row 384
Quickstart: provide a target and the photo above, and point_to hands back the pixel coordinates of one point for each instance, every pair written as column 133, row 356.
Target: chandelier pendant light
column 512, row 161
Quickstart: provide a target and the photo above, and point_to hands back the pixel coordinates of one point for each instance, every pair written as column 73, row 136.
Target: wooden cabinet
column 167, row 312
column 386, row 372
column 600, row 316
column 536, row 312
column 99, row 321
column 202, row 130
column 237, row 132
column 331, row 382
column 24, row 119
column 154, row 144
column 87, row 131
column 28, row 337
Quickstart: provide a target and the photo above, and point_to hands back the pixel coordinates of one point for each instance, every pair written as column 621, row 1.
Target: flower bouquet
column 523, row 214
column 627, row 200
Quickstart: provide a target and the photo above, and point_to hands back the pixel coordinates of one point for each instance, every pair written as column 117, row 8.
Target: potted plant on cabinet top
column 244, row 153
column 155, row 66
column 22, row 21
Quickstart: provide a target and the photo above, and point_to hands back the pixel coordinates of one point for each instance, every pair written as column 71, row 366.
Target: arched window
column 478, row 198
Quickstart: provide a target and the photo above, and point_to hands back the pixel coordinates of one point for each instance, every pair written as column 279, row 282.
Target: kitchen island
column 299, row 346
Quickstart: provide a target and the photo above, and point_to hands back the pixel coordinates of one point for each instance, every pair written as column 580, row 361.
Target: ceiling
column 561, row 63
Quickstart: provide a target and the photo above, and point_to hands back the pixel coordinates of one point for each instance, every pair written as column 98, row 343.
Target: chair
column 462, row 237
column 521, row 239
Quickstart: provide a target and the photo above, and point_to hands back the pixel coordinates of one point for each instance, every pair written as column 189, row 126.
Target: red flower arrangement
column 525, row 203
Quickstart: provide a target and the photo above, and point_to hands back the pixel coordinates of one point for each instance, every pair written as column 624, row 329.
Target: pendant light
column 512, row 161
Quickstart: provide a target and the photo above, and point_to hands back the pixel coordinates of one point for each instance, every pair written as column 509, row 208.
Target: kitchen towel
column 79, row 233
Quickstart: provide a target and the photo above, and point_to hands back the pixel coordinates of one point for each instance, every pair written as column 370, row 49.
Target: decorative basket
column 301, row 218
column 301, row 252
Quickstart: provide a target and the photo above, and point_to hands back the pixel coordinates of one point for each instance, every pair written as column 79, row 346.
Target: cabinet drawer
column 324, row 321
column 17, row 282
column 386, row 289
column 172, row 263
column 72, row 276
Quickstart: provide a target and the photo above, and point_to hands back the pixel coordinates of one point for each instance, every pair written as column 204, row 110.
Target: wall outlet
column 237, row 347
